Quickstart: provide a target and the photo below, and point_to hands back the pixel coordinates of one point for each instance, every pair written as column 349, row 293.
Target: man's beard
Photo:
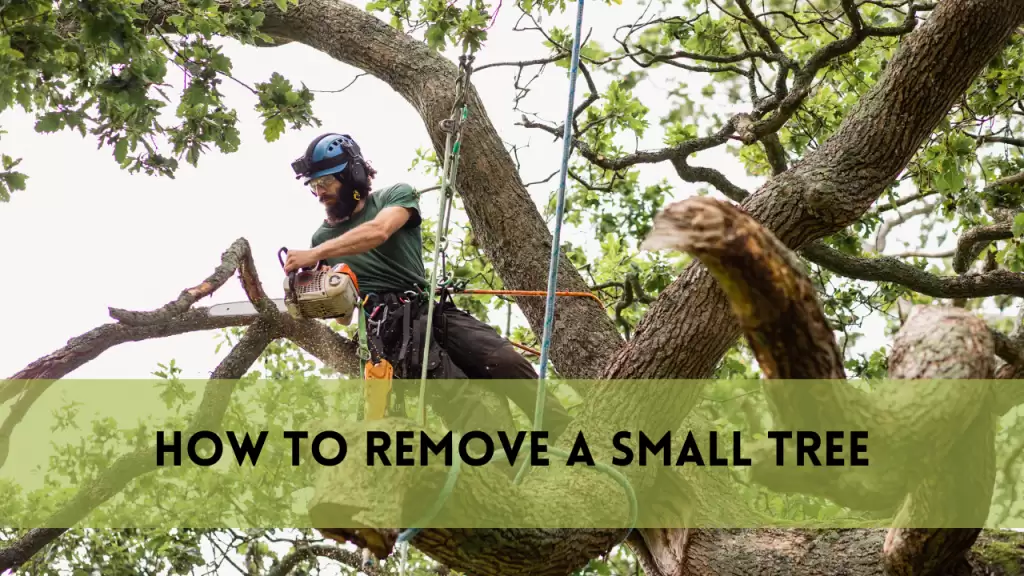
column 341, row 208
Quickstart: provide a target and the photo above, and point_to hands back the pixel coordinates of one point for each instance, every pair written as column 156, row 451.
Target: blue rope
column 446, row 491
column 549, row 310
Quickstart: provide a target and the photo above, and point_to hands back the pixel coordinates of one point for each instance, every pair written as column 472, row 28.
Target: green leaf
column 49, row 122
column 121, row 150
column 15, row 180
column 273, row 128
column 1018, row 224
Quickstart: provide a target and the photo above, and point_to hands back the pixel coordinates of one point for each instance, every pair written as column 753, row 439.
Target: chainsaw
column 324, row 292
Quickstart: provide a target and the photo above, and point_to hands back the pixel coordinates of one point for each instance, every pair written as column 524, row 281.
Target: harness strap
column 364, row 349
column 407, row 334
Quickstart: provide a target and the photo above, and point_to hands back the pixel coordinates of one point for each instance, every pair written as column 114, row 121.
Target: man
column 377, row 234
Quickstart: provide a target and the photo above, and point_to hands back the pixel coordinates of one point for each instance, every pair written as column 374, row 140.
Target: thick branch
column 238, row 256
column 973, row 242
column 33, row 380
column 917, row 425
column 89, row 345
column 303, row 552
column 346, row 496
column 331, row 348
column 944, row 343
column 172, row 318
column 820, row 553
column 231, row 260
column 710, row 176
column 25, row 547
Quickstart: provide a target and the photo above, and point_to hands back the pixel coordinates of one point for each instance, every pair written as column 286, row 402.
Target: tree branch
column 333, row 349
column 231, row 260
column 304, row 551
column 973, row 242
column 891, row 269
column 25, row 547
column 885, row 227
column 89, row 345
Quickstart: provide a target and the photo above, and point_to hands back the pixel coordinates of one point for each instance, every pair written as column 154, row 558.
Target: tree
column 847, row 102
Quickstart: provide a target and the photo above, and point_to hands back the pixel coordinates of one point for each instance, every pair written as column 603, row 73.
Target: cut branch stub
column 774, row 301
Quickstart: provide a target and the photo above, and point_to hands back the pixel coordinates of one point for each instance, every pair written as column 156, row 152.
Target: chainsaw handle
column 284, row 251
column 291, row 275
column 280, row 259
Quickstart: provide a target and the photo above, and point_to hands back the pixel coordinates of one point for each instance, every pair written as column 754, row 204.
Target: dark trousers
column 465, row 354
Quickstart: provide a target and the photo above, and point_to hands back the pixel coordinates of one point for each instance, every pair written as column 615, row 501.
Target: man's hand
column 300, row 259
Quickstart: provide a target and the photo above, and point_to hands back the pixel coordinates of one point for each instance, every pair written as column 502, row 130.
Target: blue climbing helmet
column 336, row 154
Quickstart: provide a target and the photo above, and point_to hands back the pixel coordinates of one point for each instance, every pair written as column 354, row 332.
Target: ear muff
column 355, row 173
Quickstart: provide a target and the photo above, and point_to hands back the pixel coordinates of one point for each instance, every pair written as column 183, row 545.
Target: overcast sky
column 94, row 236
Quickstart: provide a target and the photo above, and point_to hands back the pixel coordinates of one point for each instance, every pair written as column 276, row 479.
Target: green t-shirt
column 397, row 264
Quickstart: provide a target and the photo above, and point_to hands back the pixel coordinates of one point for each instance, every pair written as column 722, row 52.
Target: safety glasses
column 320, row 182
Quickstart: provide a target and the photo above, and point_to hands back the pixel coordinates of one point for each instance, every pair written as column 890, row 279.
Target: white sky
column 105, row 238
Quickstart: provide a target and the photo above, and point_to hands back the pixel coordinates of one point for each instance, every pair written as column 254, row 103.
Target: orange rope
column 528, row 293
column 524, row 347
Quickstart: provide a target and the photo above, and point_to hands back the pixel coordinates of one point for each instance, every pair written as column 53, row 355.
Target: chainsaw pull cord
column 453, row 127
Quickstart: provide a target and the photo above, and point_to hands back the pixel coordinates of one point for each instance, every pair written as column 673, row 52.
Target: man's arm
column 366, row 236
column 401, row 208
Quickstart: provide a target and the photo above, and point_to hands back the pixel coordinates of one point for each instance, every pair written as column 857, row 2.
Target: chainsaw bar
column 242, row 308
